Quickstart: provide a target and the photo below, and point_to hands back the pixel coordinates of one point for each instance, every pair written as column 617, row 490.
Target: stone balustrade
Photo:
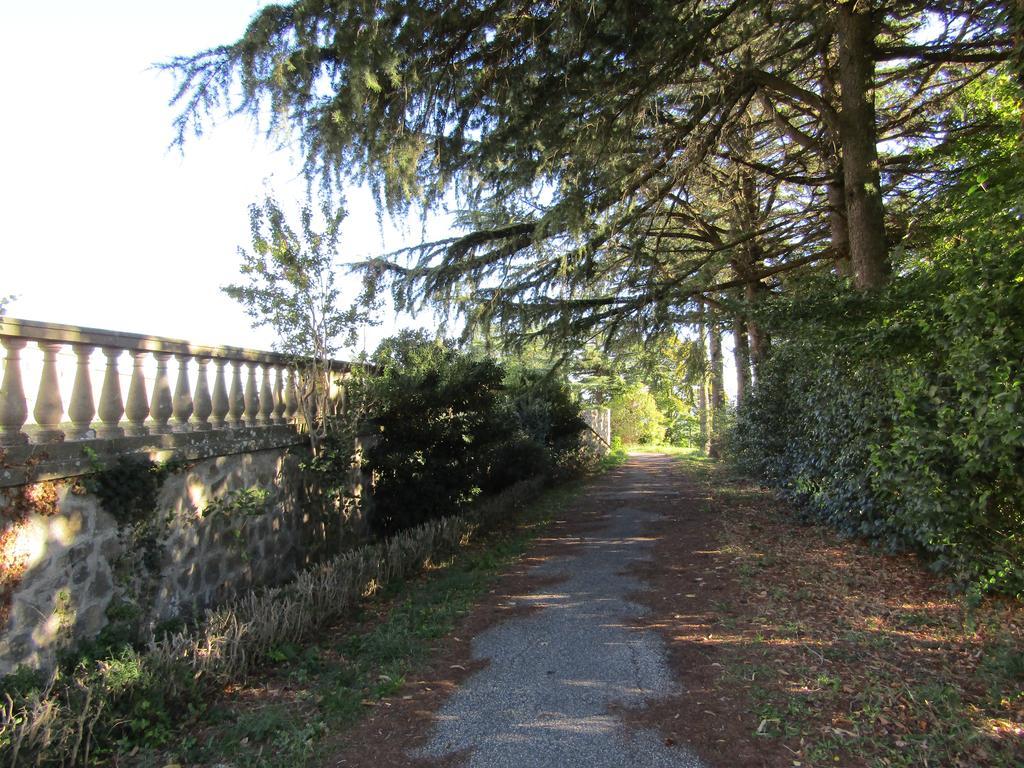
column 249, row 388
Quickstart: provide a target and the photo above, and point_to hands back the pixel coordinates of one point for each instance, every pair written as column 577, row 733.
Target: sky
column 106, row 226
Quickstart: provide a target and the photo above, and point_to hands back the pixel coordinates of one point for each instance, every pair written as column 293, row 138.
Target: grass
column 315, row 690
column 853, row 657
column 679, row 451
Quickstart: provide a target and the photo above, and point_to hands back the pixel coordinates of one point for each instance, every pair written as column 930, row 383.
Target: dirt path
column 674, row 616
column 559, row 667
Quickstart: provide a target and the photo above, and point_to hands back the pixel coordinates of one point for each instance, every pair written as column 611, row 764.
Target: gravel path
column 557, row 676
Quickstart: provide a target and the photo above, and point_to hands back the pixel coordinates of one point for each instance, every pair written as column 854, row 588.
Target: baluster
column 81, row 409
column 236, row 403
column 290, row 398
column 266, row 399
column 49, row 407
column 13, row 406
column 111, row 408
column 137, row 407
column 221, row 404
column 279, row 404
column 203, row 405
column 252, row 398
column 161, row 407
column 181, row 403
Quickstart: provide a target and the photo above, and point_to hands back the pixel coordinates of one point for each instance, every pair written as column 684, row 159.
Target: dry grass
column 55, row 725
column 855, row 657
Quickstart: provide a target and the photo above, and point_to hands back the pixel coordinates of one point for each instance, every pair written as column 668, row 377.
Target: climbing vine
column 128, row 490
column 240, row 506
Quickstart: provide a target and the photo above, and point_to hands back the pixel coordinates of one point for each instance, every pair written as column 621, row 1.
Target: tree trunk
column 741, row 351
column 759, row 341
column 717, row 390
column 869, row 253
column 838, row 228
column 702, row 388
column 1016, row 14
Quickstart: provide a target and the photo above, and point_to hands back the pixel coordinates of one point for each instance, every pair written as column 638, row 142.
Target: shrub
column 636, row 417
column 900, row 416
column 450, row 426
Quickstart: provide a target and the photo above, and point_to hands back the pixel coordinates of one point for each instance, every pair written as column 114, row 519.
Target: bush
column 901, row 416
column 636, row 418
column 451, row 426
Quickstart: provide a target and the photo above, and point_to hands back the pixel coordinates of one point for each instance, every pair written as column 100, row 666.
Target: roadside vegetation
column 459, row 445
column 807, row 648
column 308, row 692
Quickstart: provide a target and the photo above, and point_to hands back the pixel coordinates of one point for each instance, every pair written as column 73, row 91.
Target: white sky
column 103, row 225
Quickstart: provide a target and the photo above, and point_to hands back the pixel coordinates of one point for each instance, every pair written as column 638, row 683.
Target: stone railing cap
column 35, row 330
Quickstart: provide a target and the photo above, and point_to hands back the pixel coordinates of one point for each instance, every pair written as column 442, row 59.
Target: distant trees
column 636, row 418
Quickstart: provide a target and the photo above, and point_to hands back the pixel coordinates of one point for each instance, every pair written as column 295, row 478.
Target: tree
column 290, row 286
column 608, row 107
column 636, row 418
column 662, row 366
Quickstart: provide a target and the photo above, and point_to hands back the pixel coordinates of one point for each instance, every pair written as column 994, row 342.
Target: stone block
column 109, row 547
column 102, row 587
column 81, row 574
column 90, row 620
column 211, row 571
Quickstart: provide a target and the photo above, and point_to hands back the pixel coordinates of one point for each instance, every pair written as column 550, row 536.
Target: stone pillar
column 13, row 406
column 81, row 409
column 266, row 399
column 279, row 404
column 252, row 398
column 162, row 406
column 137, row 407
column 203, row 403
column 181, row 403
column 236, row 402
column 49, row 407
column 111, row 407
column 221, row 404
column 290, row 398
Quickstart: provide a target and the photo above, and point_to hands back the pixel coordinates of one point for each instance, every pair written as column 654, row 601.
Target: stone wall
column 600, row 422
column 81, row 571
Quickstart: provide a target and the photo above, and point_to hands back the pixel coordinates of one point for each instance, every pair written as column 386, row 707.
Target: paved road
column 556, row 676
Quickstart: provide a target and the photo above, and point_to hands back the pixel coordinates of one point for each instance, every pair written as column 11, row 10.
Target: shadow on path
column 556, row 675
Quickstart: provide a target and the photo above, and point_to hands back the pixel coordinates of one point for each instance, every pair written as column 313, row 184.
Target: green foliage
column 437, row 414
column 451, row 425
column 668, row 367
column 636, row 418
column 616, row 163
column 95, row 704
column 241, row 503
column 291, row 283
column 291, row 287
column 900, row 416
